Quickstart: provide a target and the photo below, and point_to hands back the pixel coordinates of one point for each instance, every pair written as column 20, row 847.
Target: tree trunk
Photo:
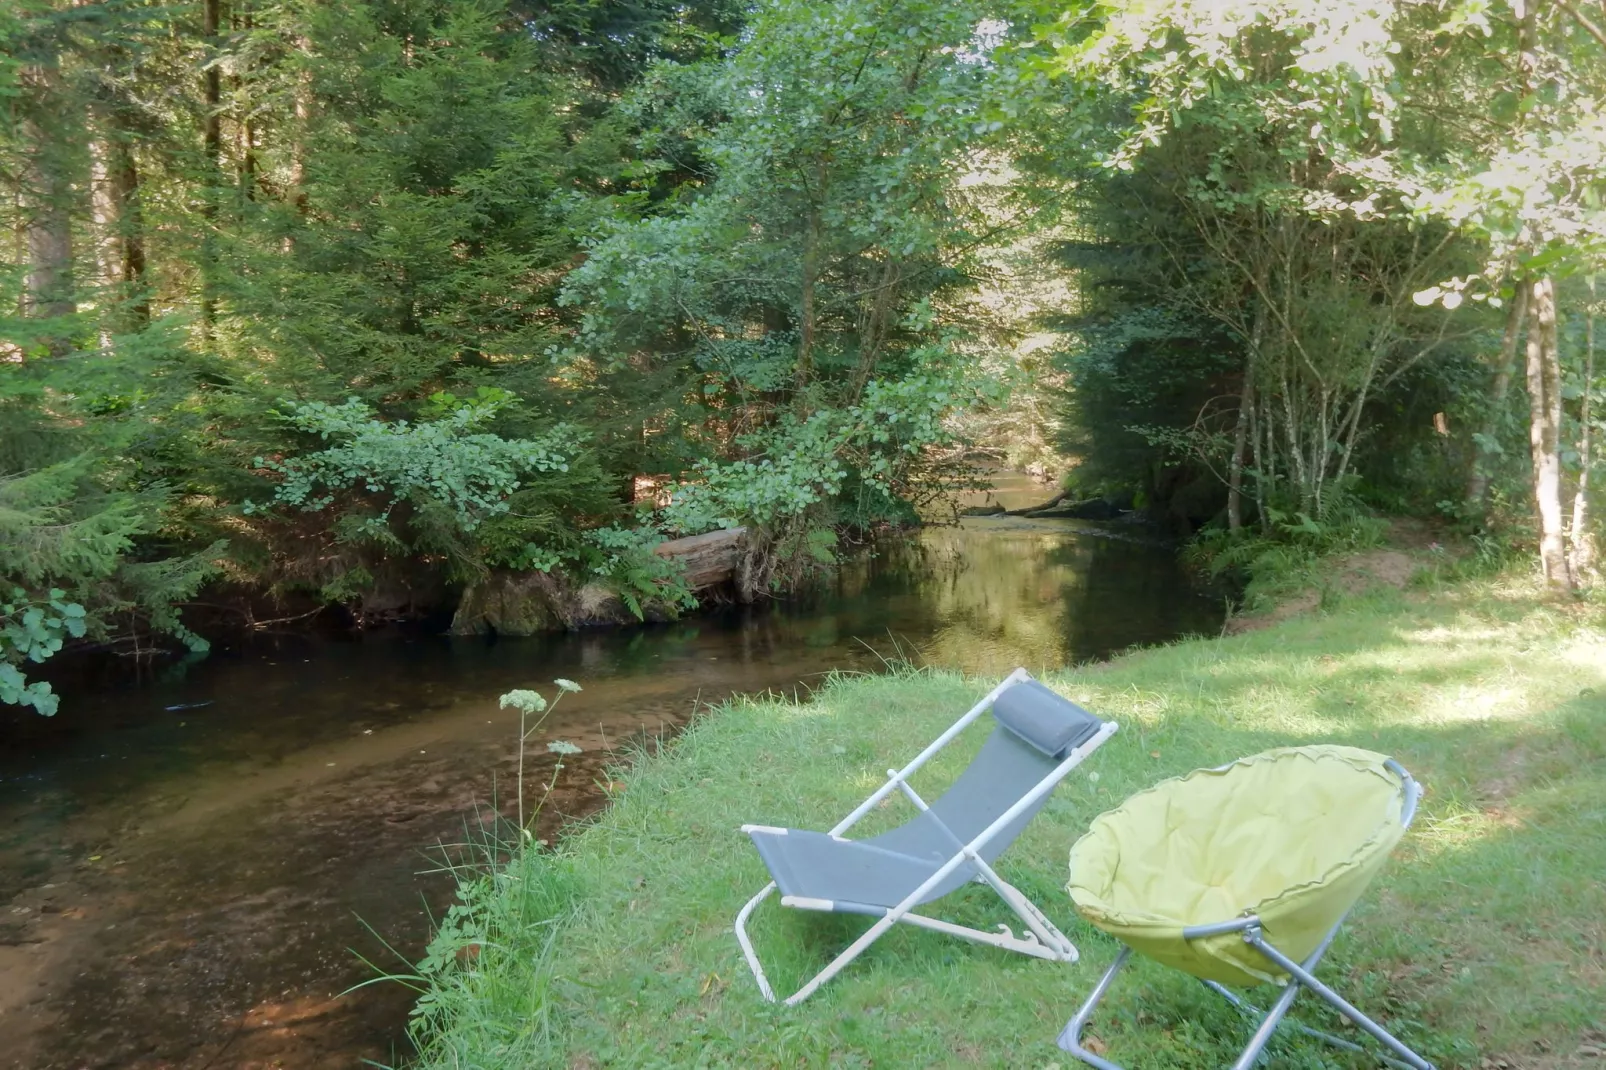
column 108, row 222
column 1242, row 431
column 1483, row 442
column 874, row 323
column 298, row 146
column 108, row 247
column 1263, row 461
column 212, row 84
column 119, row 232
column 126, row 190
column 247, row 135
column 1583, row 537
column 45, row 196
column 48, row 286
column 212, row 139
column 1544, row 435
column 1295, row 448
column 706, row 560
column 806, row 323
column 297, row 191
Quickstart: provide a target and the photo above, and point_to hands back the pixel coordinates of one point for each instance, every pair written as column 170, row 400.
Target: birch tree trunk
column 1544, row 435
column 1583, row 536
column 806, row 324
column 1240, row 440
column 1263, row 460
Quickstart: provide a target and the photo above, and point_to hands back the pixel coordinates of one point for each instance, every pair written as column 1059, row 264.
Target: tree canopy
column 364, row 303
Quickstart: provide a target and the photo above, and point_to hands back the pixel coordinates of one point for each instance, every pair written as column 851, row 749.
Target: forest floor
column 1482, row 945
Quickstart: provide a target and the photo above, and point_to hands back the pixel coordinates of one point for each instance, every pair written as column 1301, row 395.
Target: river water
column 193, row 866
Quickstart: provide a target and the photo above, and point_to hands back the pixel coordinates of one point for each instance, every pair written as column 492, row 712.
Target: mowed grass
column 1485, row 939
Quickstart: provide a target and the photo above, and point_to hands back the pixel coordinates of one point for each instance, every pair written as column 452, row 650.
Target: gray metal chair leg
column 1268, row 1026
column 1285, row 1000
column 1249, row 1010
column 1302, row 977
column 1070, row 1038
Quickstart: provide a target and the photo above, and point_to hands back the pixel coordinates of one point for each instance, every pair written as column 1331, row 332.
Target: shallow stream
column 192, row 864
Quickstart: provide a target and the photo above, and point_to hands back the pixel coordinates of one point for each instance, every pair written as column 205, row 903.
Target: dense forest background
column 361, row 304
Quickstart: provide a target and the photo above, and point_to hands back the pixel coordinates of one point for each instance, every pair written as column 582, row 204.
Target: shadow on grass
column 1485, row 936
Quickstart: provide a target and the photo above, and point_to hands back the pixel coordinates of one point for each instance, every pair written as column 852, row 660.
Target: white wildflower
column 562, row 746
column 567, row 685
column 524, row 701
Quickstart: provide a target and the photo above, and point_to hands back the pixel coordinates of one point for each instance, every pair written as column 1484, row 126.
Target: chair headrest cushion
column 1054, row 725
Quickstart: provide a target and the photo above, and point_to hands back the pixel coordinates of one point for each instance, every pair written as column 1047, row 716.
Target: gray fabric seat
column 1038, row 738
column 1036, row 729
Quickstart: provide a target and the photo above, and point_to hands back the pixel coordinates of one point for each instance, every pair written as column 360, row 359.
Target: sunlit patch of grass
column 1484, row 938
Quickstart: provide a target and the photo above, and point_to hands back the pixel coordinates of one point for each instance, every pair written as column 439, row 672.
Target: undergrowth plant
column 1286, row 553
column 33, row 630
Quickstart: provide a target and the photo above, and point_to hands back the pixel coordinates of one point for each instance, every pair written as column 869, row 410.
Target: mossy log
column 707, row 560
column 528, row 603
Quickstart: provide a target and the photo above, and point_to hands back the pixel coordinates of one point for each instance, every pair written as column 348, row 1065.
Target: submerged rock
column 511, row 603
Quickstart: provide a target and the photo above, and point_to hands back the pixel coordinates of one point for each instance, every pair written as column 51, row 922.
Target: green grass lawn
column 1485, row 939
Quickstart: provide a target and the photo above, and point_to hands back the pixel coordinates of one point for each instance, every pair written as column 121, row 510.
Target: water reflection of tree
column 1007, row 603
column 1130, row 595
column 979, row 599
column 1048, row 598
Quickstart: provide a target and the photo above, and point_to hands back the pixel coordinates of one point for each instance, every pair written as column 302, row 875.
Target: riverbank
column 1483, row 943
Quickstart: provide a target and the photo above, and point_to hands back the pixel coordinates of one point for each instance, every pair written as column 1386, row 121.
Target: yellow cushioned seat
column 1292, row 836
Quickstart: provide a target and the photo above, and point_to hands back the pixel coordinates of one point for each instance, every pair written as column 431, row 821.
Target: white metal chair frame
column 1041, row 940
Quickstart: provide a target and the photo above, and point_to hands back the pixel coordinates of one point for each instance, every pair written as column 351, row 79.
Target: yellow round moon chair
column 1242, row 876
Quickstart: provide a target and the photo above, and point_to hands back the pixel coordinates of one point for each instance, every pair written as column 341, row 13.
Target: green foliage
column 493, row 914
column 69, row 522
column 1291, row 554
column 623, row 559
column 416, row 289
column 494, row 919
column 1298, row 188
column 794, row 294
column 801, row 464
column 32, row 631
column 445, row 462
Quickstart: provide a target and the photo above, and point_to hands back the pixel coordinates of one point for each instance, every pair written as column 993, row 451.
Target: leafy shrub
column 446, row 461
column 32, row 630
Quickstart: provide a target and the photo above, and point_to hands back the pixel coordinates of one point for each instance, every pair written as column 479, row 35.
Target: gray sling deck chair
column 1039, row 738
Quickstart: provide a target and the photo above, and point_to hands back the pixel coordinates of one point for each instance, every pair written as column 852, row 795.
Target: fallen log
column 1030, row 509
column 529, row 603
column 708, row 559
column 1092, row 509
